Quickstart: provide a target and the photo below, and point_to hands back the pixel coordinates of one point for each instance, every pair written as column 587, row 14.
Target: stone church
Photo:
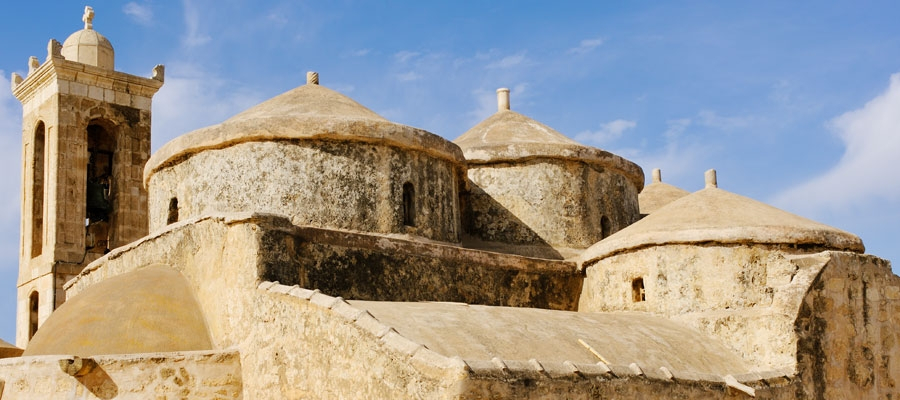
column 309, row 248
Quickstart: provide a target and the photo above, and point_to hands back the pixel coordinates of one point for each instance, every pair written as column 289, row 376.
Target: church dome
column 510, row 136
column 306, row 112
column 716, row 216
column 88, row 46
column 657, row 194
column 148, row 310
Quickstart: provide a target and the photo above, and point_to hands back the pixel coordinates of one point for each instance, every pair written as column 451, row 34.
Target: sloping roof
column 474, row 332
column 8, row 350
column 306, row 112
column 509, row 136
column 656, row 195
column 148, row 310
column 718, row 216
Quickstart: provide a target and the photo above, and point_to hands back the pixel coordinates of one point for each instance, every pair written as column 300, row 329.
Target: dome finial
column 312, row 78
column 657, row 175
column 88, row 17
column 502, row 99
column 711, row 181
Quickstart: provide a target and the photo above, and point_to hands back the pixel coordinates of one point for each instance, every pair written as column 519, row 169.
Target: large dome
column 88, row 46
column 149, row 310
column 713, row 215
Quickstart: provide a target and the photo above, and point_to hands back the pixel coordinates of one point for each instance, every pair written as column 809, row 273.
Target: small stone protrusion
column 54, row 49
column 159, row 73
column 312, row 78
column 657, row 175
column 636, row 369
column 15, row 81
column 33, row 64
column 502, row 99
column 733, row 384
column 668, row 374
column 77, row 366
column 500, row 364
column 711, row 181
column 88, row 17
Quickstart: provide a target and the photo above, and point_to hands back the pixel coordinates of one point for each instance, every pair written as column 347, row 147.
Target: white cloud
column 141, row 14
column 679, row 157
column 508, row 61
column 586, row 46
column 608, row 132
column 194, row 36
column 193, row 98
column 865, row 172
column 712, row 119
column 361, row 53
column 404, row 56
column 408, row 76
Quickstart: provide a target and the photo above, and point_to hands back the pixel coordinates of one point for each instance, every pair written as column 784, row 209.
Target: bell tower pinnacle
column 86, row 138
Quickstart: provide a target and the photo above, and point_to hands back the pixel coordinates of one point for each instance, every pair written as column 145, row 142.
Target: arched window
column 173, row 211
column 99, row 196
column 32, row 314
column 605, row 227
column 637, row 290
column 409, row 204
column 37, row 191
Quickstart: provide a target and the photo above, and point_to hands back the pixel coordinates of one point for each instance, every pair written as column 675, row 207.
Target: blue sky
column 794, row 103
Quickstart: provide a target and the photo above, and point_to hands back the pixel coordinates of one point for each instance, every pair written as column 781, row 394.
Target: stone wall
column 194, row 375
column 373, row 267
column 329, row 184
column 849, row 345
column 556, row 204
column 745, row 295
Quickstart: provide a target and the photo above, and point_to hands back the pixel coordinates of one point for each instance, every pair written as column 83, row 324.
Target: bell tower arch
column 86, row 138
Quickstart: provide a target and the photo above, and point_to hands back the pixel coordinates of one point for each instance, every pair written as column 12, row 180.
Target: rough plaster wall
column 343, row 185
column 733, row 293
column 371, row 267
column 849, row 344
column 194, row 375
column 555, row 203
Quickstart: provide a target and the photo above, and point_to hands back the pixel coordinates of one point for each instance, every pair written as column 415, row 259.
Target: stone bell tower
column 86, row 138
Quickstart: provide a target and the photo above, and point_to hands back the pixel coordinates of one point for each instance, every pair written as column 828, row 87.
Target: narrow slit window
column 409, row 205
column 637, row 290
column 37, row 191
column 173, row 211
column 32, row 314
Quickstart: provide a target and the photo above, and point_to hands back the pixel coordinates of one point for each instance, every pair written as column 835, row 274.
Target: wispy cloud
column 679, row 156
column 193, row 98
column 404, row 56
column 193, row 36
column 140, row 13
column 864, row 174
column 360, row 53
column 586, row 46
column 408, row 76
column 712, row 119
column 508, row 61
column 607, row 133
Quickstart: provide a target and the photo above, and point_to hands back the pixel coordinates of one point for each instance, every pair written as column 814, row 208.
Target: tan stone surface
column 149, row 310
column 714, row 215
column 658, row 193
column 481, row 333
column 194, row 375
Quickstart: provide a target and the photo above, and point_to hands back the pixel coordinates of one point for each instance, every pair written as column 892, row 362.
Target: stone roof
column 509, row 136
column 9, row 350
column 148, row 310
column 658, row 193
column 475, row 332
column 713, row 215
column 306, row 112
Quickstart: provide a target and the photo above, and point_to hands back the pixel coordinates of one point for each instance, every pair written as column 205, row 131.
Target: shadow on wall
column 488, row 225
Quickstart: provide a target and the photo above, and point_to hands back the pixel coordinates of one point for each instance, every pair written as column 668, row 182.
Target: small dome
column 152, row 309
column 306, row 112
column 88, row 46
column 657, row 194
column 509, row 136
column 713, row 215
